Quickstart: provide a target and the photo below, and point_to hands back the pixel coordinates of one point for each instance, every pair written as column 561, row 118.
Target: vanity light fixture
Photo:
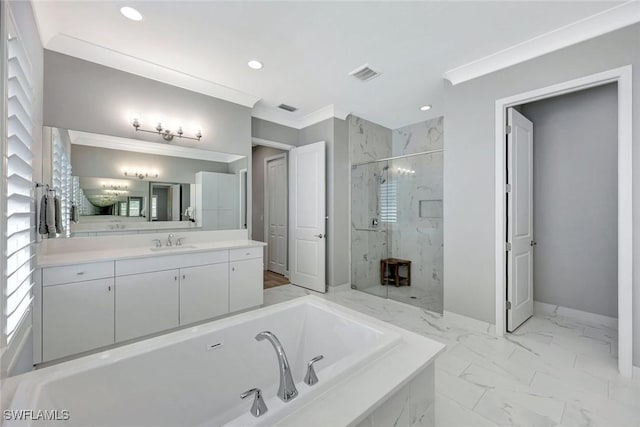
column 255, row 64
column 116, row 192
column 425, row 108
column 131, row 13
column 115, row 187
column 140, row 175
column 166, row 134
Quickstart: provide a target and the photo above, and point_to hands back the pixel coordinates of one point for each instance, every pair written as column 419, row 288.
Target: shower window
column 388, row 197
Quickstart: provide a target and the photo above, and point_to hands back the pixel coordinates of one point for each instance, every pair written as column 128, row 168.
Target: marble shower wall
column 367, row 141
column 417, row 234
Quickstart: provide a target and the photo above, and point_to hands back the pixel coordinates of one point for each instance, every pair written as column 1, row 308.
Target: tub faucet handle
column 311, row 378
column 259, row 407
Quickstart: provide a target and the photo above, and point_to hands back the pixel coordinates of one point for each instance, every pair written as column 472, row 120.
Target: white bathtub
column 179, row 380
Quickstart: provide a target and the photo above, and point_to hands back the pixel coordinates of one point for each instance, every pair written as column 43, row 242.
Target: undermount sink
column 173, row 248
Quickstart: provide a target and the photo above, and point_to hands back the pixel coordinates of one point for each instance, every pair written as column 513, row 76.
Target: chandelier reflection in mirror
column 166, row 134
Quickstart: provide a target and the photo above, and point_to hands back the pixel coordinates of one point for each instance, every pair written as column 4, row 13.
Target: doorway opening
column 270, row 208
column 579, row 192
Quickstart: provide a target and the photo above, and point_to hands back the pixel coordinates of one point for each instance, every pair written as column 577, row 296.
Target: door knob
column 319, row 235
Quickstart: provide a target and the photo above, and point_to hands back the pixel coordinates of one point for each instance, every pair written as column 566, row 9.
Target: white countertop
column 108, row 254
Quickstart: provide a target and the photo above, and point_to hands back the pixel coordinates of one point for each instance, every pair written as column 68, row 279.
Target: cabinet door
column 227, row 191
column 146, row 303
column 77, row 317
column 245, row 284
column 228, row 220
column 209, row 190
column 204, row 292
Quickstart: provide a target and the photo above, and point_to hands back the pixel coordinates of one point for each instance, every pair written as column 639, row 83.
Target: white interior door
column 307, row 212
column 276, row 213
column 519, row 220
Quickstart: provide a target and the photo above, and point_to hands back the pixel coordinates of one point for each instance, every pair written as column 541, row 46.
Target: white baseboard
column 557, row 310
column 339, row 288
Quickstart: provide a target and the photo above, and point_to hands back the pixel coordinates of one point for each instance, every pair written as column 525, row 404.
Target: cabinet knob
column 80, row 273
column 175, row 278
column 233, row 269
column 183, row 276
column 109, row 288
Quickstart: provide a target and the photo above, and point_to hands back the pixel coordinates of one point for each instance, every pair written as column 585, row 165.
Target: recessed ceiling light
column 256, row 65
column 425, row 108
column 131, row 13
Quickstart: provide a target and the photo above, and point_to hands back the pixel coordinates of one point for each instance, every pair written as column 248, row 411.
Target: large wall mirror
column 110, row 185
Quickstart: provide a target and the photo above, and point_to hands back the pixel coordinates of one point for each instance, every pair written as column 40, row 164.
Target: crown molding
column 298, row 122
column 593, row 26
column 272, row 144
column 69, row 45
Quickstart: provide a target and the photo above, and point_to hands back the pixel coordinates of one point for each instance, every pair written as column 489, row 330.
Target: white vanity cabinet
column 77, row 317
column 204, row 292
column 245, row 278
column 96, row 304
column 146, row 303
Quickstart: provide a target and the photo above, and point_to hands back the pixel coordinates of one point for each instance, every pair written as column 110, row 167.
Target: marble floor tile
column 505, row 410
column 451, row 413
column 554, row 370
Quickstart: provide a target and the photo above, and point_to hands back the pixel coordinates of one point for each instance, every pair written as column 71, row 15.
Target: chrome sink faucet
column 287, row 389
column 169, row 241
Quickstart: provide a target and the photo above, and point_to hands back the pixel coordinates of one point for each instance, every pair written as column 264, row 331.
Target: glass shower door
column 415, row 232
column 369, row 237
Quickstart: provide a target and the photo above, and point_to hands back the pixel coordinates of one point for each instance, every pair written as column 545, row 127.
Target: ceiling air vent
column 364, row 73
column 288, row 108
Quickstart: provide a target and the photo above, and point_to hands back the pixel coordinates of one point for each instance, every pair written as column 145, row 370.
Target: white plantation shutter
column 19, row 188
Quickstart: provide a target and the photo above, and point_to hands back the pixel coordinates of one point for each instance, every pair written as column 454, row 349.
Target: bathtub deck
column 553, row 370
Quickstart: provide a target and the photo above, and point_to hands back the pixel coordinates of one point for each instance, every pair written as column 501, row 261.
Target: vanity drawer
column 246, row 253
column 77, row 273
column 167, row 262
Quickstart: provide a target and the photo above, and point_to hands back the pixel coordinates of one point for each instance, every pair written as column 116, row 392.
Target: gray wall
column 105, row 163
column 270, row 131
column 575, row 201
column 85, row 96
column 469, row 165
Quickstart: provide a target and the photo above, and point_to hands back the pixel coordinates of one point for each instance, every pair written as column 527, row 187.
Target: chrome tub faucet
column 287, row 389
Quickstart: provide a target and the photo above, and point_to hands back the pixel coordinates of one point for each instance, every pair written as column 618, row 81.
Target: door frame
column 265, row 224
column 623, row 77
column 243, row 174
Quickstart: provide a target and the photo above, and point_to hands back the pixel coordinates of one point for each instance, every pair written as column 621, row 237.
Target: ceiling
column 308, row 48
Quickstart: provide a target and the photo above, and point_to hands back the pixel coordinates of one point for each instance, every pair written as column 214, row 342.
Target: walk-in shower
column 396, row 214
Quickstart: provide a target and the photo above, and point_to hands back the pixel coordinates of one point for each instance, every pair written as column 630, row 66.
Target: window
column 134, row 206
column 19, row 232
column 154, row 207
column 388, row 196
column 62, row 181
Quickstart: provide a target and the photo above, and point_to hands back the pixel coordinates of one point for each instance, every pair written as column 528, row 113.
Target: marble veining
column 555, row 370
column 414, row 186
column 418, row 137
